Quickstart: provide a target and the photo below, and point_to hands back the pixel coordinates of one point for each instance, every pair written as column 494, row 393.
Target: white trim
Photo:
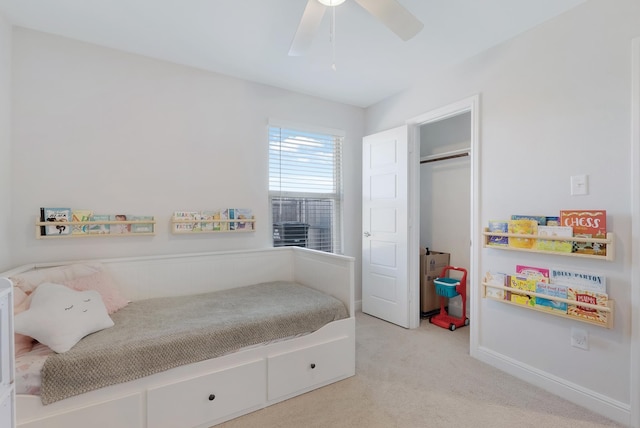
column 298, row 126
column 598, row 403
column 471, row 105
column 634, row 375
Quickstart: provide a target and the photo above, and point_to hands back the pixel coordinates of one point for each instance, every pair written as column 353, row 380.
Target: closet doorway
column 444, row 195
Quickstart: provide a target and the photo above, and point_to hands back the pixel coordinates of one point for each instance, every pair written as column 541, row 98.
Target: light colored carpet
column 421, row 378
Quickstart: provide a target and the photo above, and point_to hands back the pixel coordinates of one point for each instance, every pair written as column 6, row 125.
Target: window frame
column 338, row 137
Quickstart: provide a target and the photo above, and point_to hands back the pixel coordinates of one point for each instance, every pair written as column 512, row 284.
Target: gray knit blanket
column 154, row 335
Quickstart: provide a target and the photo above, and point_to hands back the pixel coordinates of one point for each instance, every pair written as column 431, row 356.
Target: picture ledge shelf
column 609, row 242
column 609, row 309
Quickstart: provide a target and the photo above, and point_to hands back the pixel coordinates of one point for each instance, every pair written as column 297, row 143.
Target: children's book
column 522, row 227
column 590, row 297
column 555, row 290
column 141, row 227
column 557, row 231
column 80, row 215
column 541, row 274
column 57, row 217
column 184, row 215
column 586, row 224
column 244, row 214
column 120, row 228
column 522, row 282
column 539, row 219
column 100, row 229
column 500, row 226
column 496, row 278
column 579, row 279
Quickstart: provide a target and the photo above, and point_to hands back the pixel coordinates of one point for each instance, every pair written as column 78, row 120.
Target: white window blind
column 305, row 188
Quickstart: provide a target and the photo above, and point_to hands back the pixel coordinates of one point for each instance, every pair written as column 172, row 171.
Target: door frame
column 635, row 235
column 472, row 106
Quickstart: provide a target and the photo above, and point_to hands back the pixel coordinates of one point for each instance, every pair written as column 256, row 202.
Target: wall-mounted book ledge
column 55, row 223
column 599, row 315
column 92, row 229
column 216, row 221
column 537, row 244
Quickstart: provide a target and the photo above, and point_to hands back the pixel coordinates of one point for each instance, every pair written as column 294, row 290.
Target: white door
column 385, row 287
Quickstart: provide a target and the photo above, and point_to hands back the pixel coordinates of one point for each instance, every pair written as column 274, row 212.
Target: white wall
column 100, row 129
column 5, row 143
column 555, row 102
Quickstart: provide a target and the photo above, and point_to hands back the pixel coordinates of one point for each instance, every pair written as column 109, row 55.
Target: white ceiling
column 250, row 39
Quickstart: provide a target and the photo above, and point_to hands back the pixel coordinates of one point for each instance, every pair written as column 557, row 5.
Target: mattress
column 154, row 335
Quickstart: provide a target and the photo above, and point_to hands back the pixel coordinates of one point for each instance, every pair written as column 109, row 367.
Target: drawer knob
column 313, row 365
column 212, row 397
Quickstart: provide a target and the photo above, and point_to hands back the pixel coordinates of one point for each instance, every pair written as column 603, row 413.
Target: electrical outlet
column 580, row 338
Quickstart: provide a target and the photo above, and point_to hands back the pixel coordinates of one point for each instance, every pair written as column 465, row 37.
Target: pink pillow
column 21, row 302
column 103, row 284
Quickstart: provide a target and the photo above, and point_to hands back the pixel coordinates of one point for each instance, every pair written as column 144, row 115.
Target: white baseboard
column 598, row 403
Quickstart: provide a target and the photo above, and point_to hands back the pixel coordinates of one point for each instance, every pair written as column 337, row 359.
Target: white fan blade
column 311, row 18
column 394, row 16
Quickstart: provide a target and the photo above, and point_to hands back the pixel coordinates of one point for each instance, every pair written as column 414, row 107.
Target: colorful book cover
column 224, row 216
column 585, row 296
column 217, row 226
column 522, row 227
column 540, row 219
column 120, row 228
column 500, row 226
column 80, row 215
column 232, row 216
column 559, row 246
column 533, row 272
column 579, row 279
column 553, row 221
column 496, row 278
column 100, row 229
column 57, row 216
column 555, row 290
column 141, row 227
column 244, row 214
column 524, row 283
column 586, row 224
column 207, row 218
column 184, row 215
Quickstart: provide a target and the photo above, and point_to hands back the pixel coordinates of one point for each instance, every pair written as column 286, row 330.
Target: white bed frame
column 213, row 391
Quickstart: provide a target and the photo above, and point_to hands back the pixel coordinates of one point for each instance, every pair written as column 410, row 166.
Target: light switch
column 579, row 185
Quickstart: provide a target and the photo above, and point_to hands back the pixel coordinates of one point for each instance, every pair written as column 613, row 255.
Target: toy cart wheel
column 452, row 326
column 466, row 321
column 430, row 320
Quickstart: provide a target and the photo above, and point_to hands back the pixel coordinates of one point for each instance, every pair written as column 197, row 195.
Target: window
column 305, row 188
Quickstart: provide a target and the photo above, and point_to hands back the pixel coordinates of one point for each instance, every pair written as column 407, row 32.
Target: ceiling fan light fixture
column 331, row 3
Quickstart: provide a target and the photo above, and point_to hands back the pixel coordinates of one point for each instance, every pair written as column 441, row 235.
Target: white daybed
column 209, row 392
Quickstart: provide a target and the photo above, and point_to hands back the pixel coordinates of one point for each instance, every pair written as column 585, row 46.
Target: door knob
column 367, row 234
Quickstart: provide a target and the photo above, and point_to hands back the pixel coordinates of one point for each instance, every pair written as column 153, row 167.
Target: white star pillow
column 59, row 316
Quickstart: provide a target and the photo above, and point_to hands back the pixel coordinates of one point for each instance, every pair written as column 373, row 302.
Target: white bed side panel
column 327, row 273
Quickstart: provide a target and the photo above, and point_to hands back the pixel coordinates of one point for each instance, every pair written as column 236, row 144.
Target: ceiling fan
column 391, row 13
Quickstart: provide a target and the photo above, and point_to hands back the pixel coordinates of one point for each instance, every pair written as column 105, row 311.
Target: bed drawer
column 124, row 412
column 207, row 398
column 302, row 369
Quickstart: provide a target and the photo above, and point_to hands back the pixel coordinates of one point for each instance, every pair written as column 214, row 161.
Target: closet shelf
column 608, row 310
column 608, row 242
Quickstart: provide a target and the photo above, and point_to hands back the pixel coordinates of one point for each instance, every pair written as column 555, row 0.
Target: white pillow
column 59, row 316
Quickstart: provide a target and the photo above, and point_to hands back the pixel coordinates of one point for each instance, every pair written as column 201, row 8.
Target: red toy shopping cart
column 446, row 286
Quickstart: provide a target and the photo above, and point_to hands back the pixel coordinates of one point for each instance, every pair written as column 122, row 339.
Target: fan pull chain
column 333, row 38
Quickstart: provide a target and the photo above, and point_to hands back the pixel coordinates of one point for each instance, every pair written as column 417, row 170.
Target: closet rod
column 445, row 157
